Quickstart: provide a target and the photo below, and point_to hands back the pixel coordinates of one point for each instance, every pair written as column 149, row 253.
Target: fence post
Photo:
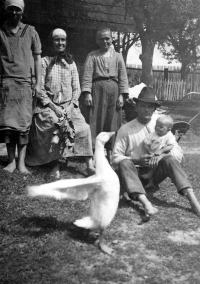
column 165, row 74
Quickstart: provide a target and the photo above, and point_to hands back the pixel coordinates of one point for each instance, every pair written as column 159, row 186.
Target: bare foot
column 23, row 170
column 195, row 206
column 150, row 210
column 10, row 167
column 148, row 213
column 55, row 173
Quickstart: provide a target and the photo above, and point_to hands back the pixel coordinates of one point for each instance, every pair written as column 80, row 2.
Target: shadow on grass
column 162, row 203
column 66, row 171
column 127, row 203
column 37, row 226
column 158, row 202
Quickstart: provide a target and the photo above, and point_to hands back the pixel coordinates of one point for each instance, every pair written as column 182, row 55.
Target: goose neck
column 99, row 152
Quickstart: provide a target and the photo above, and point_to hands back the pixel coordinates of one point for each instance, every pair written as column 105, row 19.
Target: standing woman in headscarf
column 20, row 50
column 58, row 105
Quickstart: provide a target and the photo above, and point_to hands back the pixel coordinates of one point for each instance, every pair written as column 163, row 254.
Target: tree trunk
column 184, row 71
column 124, row 54
column 147, row 59
column 118, row 41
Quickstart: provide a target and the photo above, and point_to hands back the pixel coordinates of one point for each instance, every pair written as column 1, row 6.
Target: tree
column 154, row 19
column 181, row 43
column 123, row 42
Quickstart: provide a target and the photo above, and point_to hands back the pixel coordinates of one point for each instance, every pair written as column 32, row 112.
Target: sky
column 134, row 52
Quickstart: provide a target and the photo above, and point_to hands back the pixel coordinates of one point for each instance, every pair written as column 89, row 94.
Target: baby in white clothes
column 158, row 142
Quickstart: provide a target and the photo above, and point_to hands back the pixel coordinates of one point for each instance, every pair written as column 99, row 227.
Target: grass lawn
column 39, row 243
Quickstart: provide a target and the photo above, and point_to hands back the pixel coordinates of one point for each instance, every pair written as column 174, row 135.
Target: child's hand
column 158, row 153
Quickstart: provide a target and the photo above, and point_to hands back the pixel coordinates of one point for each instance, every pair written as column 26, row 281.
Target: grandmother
column 57, row 114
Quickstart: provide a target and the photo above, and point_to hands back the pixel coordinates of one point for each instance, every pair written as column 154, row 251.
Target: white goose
column 104, row 186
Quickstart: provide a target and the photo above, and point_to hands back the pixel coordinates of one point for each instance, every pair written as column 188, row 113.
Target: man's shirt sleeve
column 121, row 143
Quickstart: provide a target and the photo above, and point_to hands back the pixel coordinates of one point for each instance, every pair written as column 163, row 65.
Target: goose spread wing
column 78, row 189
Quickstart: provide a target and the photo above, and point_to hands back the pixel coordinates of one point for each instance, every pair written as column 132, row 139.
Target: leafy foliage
column 123, row 42
column 181, row 42
column 154, row 21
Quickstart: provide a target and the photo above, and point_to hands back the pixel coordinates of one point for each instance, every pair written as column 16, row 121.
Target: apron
column 15, row 105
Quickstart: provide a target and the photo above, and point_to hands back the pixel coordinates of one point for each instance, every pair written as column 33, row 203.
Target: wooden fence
column 173, row 88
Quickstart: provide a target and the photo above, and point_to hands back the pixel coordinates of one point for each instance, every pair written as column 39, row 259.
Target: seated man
column 131, row 159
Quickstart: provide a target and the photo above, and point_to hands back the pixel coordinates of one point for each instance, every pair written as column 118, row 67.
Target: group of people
column 44, row 120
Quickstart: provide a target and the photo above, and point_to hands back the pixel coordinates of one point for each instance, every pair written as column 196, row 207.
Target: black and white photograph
column 99, row 141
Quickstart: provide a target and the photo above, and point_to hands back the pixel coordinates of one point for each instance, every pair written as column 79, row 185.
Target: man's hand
column 153, row 163
column 120, row 102
column 144, row 160
column 88, row 100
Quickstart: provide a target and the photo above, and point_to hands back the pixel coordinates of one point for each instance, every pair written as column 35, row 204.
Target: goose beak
column 111, row 134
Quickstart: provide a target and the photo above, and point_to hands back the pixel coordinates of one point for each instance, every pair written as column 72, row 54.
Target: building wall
column 80, row 41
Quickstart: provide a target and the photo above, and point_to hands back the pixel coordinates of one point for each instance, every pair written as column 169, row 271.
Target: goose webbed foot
column 103, row 247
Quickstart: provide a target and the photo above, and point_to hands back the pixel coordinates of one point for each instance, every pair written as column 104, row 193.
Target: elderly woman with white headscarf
column 57, row 113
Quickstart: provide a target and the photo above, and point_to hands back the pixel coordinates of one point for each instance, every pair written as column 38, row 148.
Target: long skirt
column 103, row 116
column 40, row 151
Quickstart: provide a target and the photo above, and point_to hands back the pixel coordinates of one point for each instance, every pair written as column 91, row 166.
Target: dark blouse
column 17, row 50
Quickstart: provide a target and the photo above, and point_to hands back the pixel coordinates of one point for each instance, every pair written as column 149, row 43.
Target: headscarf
column 68, row 57
column 17, row 3
column 59, row 32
